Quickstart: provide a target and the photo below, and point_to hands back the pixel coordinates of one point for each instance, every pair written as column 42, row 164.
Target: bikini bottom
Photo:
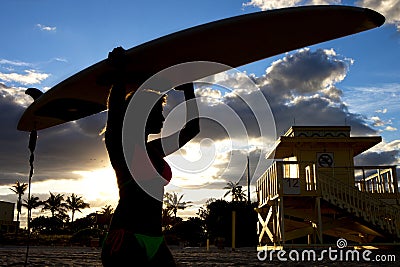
column 125, row 248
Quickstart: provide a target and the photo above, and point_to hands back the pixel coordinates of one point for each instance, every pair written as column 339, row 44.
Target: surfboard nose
column 376, row 18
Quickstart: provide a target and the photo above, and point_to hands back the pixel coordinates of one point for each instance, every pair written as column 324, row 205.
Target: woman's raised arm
column 172, row 143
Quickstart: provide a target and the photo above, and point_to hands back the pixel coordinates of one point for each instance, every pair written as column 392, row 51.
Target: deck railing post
column 319, row 217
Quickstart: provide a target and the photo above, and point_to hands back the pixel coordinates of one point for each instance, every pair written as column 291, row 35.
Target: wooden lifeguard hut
column 313, row 191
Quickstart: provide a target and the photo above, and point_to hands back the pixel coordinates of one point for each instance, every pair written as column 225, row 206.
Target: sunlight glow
column 100, row 183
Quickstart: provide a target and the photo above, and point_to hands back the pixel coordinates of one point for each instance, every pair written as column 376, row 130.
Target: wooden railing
column 372, row 179
column 360, row 200
column 267, row 185
column 361, row 204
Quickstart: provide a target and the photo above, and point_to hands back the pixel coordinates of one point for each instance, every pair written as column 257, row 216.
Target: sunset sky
column 353, row 80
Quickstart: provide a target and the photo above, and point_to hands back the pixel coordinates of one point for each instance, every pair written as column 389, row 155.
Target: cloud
column 390, row 129
column 383, row 111
column 15, row 95
column 302, row 87
column 14, row 63
column 389, row 8
column 389, row 157
column 383, row 154
column 60, row 59
column 30, row 77
column 209, row 95
column 92, row 126
column 274, row 4
column 308, row 71
column 46, row 28
column 60, row 150
column 377, row 122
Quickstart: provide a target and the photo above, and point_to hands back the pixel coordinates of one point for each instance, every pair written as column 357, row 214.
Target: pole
column 35, row 94
column 248, row 180
column 233, row 230
column 319, row 216
column 31, row 146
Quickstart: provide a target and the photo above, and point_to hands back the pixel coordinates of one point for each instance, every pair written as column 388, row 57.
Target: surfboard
column 233, row 41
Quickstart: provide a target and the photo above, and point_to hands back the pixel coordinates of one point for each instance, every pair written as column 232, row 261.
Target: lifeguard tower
column 313, row 191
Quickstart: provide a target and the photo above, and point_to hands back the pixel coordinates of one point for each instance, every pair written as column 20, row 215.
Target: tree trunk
column 18, row 212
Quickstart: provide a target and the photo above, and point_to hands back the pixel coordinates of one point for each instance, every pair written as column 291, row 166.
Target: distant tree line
column 213, row 221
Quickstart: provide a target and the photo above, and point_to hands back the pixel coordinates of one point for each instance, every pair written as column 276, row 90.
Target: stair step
column 362, row 206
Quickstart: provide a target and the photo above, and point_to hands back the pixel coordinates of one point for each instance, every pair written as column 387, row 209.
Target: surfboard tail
column 376, row 18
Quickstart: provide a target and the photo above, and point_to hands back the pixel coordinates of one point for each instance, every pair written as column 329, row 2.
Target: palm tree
column 19, row 189
column 31, row 204
column 167, row 219
column 236, row 191
column 107, row 210
column 55, row 205
column 103, row 218
column 173, row 202
column 240, row 194
column 75, row 203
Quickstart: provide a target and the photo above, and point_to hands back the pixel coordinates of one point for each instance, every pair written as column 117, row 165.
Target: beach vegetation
column 236, row 191
column 173, row 202
column 75, row 203
column 56, row 205
column 19, row 189
column 32, row 203
column 217, row 217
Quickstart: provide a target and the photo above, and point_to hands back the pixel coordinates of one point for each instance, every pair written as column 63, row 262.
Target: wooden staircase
column 324, row 205
column 363, row 205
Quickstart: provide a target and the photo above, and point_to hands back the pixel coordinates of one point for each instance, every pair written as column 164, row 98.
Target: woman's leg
column 122, row 249
column 163, row 257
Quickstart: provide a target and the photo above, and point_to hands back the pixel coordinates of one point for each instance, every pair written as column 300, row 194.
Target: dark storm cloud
column 306, row 72
column 232, row 166
column 13, row 144
column 383, row 154
column 60, row 150
column 221, row 118
column 302, row 88
column 93, row 125
column 377, row 158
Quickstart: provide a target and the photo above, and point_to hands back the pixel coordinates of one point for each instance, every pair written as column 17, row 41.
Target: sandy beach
column 87, row 256
column 44, row 256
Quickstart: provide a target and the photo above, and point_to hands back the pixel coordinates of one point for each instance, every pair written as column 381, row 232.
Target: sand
column 86, row 256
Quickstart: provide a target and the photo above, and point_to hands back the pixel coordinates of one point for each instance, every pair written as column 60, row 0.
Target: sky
column 352, row 81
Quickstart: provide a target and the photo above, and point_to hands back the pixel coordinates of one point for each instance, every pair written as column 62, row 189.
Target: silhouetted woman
column 135, row 236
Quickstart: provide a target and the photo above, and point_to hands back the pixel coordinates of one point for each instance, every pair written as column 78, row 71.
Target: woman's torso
column 137, row 210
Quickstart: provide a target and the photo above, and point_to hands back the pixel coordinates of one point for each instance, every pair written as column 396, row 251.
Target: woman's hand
column 185, row 87
column 117, row 58
column 172, row 143
column 116, row 73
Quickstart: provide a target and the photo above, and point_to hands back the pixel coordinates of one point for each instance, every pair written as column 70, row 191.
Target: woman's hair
column 128, row 97
column 163, row 98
